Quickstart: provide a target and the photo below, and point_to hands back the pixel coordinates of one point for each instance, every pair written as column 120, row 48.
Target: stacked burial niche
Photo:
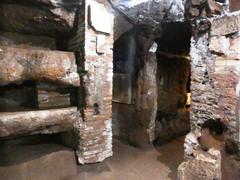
column 151, row 83
column 56, row 74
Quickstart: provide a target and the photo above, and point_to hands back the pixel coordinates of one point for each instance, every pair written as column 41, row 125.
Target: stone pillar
column 93, row 44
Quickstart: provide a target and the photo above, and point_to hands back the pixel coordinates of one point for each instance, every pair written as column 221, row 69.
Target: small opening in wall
column 212, row 135
column 215, row 127
column 22, row 149
column 96, row 109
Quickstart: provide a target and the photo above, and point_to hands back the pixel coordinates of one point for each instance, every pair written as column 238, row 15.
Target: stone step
column 18, row 65
column 37, row 122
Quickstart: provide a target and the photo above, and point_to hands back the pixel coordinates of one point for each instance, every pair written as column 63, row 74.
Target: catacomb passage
column 119, row 89
column 151, row 84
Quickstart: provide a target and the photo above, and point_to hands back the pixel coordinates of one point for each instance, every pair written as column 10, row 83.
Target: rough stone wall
column 214, row 85
column 214, row 81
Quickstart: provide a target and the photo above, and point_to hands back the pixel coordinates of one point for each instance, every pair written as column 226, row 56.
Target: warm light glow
column 188, row 99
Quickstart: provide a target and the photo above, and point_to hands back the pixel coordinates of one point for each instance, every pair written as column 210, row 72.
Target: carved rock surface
column 146, row 96
column 35, row 20
column 18, row 65
column 152, row 12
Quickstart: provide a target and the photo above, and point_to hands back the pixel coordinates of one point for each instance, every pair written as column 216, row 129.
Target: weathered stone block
column 95, row 143
column 219, row 45
column 225, row 47
column 205, row 166
column 18, row 65
column 35, row 122
column 226, row 24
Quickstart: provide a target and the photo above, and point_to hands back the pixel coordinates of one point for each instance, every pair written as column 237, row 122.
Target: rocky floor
column 55, row 162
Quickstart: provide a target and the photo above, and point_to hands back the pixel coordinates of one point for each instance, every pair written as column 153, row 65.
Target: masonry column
column 93, row 44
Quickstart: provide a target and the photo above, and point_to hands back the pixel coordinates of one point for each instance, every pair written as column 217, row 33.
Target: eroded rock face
column 205, row 166
column 18, row 65
column 34, row 20
column 146, row 98
column 152, row 12
column 226, row 24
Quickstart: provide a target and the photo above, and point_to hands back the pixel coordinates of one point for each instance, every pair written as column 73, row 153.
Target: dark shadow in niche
column 24, row 149
column 30, row 96
column 215, row 126
column 18, row 97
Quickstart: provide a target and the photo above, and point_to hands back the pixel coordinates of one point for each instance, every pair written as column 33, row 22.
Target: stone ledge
column 37, row 122
column 18, row 65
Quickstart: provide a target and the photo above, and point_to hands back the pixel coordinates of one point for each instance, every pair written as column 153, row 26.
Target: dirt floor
column 130, row 163
column 56, row 162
